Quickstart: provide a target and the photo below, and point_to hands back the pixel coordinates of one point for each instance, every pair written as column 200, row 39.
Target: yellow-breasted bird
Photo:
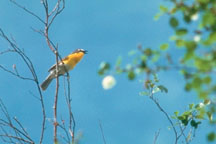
column 67, row 64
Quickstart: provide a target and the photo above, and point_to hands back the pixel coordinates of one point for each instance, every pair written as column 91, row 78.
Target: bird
column 64, row 66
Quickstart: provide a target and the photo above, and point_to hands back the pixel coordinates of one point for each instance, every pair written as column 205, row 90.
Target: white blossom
column 155, row 90
column 201, row 105
column 108, row 82
column 197, row 38
column 195, row 17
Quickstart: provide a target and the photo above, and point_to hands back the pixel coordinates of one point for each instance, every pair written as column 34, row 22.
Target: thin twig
column 167, row 116
column 72, row 123
column 58, row 11
column 8, row 123
column 56, row 100
column 156, row 136
column 102, row 132
column 63, row 127
column 15, row 137
column 49, row 19
column 15, row 74
column 28, row 11
column 18, row 122
column 30, row 66
column 182, row 133
column 6, row 51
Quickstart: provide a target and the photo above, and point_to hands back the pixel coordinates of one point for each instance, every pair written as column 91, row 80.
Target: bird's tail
column 46, row 82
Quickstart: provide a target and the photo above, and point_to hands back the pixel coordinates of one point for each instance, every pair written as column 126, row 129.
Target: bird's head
column 80, row 51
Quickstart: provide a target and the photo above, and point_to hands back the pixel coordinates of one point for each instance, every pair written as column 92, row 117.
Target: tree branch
column 166, row 114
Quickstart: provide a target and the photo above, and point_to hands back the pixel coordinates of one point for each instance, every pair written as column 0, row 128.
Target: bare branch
column 72, row 122
column 15, row 74
column 182, row 132
column 7, row 51
column 167, row 116
column 58, row 10
column 8, row 123
column 56, row 100
column 28, row 11
column 50, row 16
column 15, row 137
column 156, row 136
column 101, row 128
column 18, row 122
column 30, row 66
column 63, row 127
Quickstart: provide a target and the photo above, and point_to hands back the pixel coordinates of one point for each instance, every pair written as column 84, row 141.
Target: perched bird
column 67, row 64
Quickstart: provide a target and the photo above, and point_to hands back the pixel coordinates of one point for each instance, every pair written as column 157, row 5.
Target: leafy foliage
column 194, row 26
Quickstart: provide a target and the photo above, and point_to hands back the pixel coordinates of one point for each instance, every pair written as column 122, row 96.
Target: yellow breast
column 73, row 59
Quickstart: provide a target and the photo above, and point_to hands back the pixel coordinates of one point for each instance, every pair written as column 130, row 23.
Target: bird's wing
column 52, row 67
column 60, row 62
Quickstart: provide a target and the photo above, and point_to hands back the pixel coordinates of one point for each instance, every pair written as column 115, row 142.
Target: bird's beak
column 85, row 52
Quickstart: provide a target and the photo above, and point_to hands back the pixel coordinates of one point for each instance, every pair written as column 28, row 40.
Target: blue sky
column 106, row 29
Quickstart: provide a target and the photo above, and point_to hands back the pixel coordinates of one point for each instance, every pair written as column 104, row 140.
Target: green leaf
column 191, row 106
column 207, row 101
column 118, row 61
column 181, row 32
column 191, row 46
column 208, row 19
column 131, row 75
column 195, row 124
column 187, row 18
column 104, row 67
column 163, row 9
column 203, row 1
column 176, row 113
column 143, row 64
column 188, row 56
column 157, row 16
column 173, row 22
column 164, row 46
column 148, row 52
column 207, row 80
column 203, row 64
column 155, row 78
column 144, row 93
column 210, row 116
column 132, row 52
column 147, row 83
column 173, row 38
column 173, row 10
column 211, row 137
column 201, row 112
column 163, row 88
column 181, row 117
column 200, row 116
column 187, row 113
column 211, row 39
column 185, row 122
column 197, row 82
column 180, row 43
column 156, row 57
column 188, row 86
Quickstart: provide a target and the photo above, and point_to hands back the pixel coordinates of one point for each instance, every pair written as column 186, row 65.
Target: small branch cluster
column 50, row 15
column 182, row 128
column 11, row 130
column 15, row 49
